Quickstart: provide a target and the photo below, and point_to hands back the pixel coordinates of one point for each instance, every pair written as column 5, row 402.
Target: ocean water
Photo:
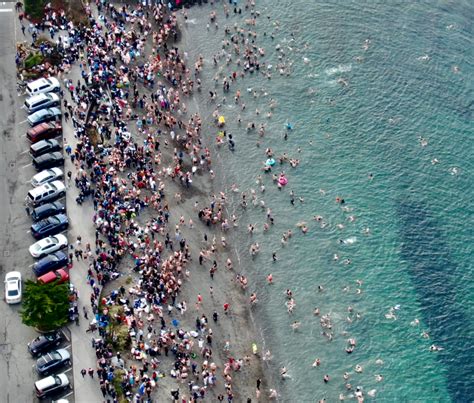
column 380, row 88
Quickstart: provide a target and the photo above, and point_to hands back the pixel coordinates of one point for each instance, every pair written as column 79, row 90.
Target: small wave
column 342, row 68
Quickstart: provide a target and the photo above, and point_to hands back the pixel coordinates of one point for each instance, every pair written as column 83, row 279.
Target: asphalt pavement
column 17, row 372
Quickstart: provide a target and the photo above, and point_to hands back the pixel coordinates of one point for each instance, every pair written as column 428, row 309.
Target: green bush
column 117, row 381
column 35, row 8
column 45, row 306
column 33, row 60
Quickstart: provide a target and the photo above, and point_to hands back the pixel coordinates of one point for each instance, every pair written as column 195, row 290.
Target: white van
column 41, row 101
column 43, row 85
column 47, row 192
column 51, row 385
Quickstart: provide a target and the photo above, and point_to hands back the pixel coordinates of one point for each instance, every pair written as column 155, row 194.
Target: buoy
column 270, row 162
column 282, row 180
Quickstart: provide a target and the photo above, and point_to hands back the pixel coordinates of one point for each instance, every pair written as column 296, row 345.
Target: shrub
column 35, row 9
column 33, row 60
column 45, row 306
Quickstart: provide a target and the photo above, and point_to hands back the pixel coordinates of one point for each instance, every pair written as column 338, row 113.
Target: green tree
column 45, row 306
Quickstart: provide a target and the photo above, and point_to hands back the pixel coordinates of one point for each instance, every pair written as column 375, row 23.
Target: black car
column 53, row 261
column 49, row 160
column 49, row 226
column 52, row 361
column 47, row 210
column 44, row 343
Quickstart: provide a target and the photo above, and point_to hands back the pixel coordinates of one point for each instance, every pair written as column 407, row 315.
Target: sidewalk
column 80, row 219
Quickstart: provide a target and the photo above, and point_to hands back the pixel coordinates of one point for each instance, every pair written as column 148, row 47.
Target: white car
column 43, row 85
column 13, row 287
column 48, row 245
column 46, row 176
column 47, row 192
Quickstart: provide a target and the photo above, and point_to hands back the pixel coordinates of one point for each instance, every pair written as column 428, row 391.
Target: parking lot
column 16, row 171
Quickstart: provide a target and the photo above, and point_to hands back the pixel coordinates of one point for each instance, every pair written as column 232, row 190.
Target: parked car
column 61, row 275
column 50, row 226
column 44, row 147
column 53, row 261
column 13, row 287
column 44, row 131
column 44, row 343
column 48, row 245
column 47, row 192
column 44, row 115
column 41, row 101
column 46, row 176
column 43, row 85
column 52, row 361
column 51, row 385
column 47, row 210
column 48, row 161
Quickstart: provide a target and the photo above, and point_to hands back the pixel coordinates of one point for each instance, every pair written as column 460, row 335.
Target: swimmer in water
column 267, row 356
column 358, row 369
column 316, row 363
column 295, row 325
column 379, row 378
column 423, row 142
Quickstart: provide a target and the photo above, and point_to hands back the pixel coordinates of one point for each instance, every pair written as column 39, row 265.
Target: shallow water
column 400, row 105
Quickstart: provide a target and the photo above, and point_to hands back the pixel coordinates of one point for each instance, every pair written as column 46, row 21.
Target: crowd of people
column 126, row 107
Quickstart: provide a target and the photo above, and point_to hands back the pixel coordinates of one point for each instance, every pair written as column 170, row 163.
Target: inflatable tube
column 282, row 180
column 270, row 162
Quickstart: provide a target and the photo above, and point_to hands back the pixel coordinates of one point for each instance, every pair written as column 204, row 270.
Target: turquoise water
column 400, row 107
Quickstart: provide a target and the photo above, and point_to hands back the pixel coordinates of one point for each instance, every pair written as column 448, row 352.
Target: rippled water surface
column 381, row 88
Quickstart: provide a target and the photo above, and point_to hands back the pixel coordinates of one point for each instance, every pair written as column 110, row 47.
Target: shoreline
column 226, row 328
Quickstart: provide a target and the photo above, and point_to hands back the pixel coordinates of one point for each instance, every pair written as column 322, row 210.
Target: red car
column 44, row 131
column 61, row 275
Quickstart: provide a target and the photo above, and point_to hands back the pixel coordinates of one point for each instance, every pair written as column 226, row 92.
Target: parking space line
column 66, row 336
column 67, row 370
column 24, row 152
column 27, row 165
column 68, row 346
column 23, row 121
column 69, row 394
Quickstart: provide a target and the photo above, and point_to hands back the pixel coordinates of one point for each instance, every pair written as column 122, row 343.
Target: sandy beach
column 206, row 320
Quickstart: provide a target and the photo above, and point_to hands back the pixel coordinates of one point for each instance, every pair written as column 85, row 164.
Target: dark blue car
column 49, row 226
column 54, row 261
column 47, row 210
